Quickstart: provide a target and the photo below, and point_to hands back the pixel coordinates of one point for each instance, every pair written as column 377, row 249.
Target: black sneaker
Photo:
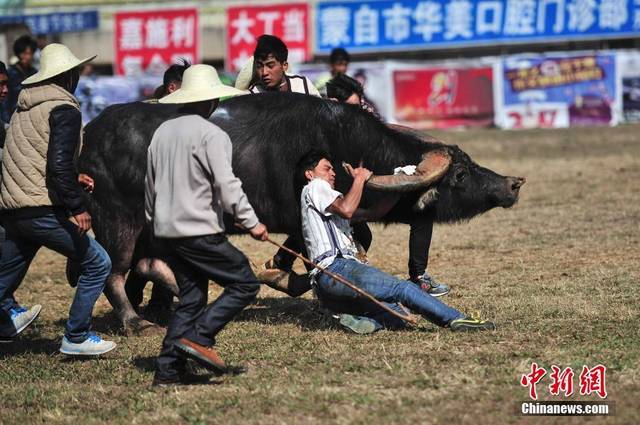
column 430, row 286
column 469, row 323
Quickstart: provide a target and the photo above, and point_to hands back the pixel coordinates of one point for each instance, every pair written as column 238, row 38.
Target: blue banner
column 365, row 26
column 54, row 23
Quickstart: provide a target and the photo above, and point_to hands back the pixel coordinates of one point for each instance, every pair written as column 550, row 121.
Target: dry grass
column 558, row 273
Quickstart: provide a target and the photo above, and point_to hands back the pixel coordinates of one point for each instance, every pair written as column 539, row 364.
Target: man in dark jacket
column 4, row 91
column 41, row 201
column 24, row 47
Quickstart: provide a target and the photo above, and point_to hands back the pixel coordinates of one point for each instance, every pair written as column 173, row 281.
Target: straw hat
column 245, row 75
column 55, row 60
column 199, row 83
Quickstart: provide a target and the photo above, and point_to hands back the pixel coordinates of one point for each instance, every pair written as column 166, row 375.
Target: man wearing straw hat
column 189, row 184
column 41, row 200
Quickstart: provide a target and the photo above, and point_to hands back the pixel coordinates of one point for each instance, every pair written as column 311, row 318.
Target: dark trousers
column 24, row 237
column 195, row 261
column 419, row 243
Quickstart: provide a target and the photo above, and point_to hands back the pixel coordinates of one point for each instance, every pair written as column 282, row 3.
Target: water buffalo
column 270, row 132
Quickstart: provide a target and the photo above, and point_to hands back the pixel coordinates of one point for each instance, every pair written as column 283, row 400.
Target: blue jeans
column 24, row 237
column 384, row 287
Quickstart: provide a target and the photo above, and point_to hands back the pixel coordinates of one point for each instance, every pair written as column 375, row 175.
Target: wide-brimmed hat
column 55, row 60
column 243, row 81
column 199, row 83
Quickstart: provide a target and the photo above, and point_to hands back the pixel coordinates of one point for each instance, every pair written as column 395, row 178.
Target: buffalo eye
column 460, row 175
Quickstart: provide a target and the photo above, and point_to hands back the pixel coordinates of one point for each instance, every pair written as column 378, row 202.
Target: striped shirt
column 326, row 235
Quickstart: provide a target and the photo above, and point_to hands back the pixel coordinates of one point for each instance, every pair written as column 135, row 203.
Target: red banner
column 444, row 97
column 246, row 23
column 147, row 42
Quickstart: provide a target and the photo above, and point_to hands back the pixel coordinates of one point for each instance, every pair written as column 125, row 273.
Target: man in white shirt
column 326, row 215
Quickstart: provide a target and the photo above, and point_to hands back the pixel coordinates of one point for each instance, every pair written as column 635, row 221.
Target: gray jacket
column 190, row 182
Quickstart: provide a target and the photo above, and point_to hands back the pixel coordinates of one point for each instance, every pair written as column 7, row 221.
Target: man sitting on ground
column 345, row 89
column 326, row 230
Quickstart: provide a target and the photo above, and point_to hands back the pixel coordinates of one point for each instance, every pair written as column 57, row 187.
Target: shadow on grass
column 106, row 323
column 148, row 364
column 308, row 314
column 26, row 345
column 298, row 311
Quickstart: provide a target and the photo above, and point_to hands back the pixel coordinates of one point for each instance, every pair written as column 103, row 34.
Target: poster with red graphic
column 147, row 42
column 444, row 97
column 557, row 90
column 289, row 22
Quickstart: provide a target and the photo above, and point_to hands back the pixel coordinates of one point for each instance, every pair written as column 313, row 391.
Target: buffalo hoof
column 142, row 327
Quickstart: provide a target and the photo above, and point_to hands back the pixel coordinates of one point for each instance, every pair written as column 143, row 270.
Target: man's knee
column 104, row 264
column 99, row 261
column 249, row 290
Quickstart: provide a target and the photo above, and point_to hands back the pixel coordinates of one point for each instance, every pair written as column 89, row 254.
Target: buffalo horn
column 433, row 166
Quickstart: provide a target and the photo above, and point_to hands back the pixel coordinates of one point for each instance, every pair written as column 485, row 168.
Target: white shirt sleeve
column 149, row 189
column 321, row 195
column 313, row 91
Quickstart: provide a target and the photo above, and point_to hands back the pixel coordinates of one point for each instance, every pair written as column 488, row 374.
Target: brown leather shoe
column 205, row 356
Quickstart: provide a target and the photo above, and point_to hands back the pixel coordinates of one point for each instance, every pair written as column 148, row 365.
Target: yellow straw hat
column 199, row 83
column 55, row 60
column 245, row 75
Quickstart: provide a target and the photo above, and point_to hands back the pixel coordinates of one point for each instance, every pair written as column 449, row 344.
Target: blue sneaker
column 21, row 317
column 430, row 286
column 92, row 346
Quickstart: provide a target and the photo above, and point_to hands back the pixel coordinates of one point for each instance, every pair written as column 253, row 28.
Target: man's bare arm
column 347, row 206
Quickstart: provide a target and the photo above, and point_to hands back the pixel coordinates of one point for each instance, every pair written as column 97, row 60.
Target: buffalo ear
column 426, row 199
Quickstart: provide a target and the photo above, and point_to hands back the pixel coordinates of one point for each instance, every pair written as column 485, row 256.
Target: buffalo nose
column 517, row 182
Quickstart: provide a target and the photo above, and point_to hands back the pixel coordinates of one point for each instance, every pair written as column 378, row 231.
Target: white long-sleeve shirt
column 190, row 182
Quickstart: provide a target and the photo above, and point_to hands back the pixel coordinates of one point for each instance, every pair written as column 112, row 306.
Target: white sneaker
column 21, row 318
column 92, row 346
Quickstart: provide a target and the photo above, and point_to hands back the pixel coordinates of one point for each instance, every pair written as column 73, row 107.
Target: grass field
column 558, row 273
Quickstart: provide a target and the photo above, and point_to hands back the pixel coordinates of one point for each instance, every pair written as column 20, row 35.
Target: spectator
column 338, row 64
column 24, row 48
column 270, row 57
column 172, row 79
column 4, row 91
column 345, row 89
